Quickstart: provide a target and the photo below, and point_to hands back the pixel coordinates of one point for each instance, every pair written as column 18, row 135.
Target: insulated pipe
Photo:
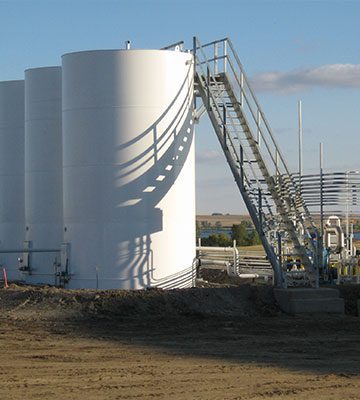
column 226, row 264
column 233, row 250
column 210, row 248
column 247, row 276
column 336, row 231
column 206, row 261
column 207, row 250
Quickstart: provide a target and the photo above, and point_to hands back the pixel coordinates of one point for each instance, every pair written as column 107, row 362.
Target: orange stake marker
column 5, row 278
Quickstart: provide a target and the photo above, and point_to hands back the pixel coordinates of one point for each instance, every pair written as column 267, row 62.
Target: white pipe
column 321, row 192
column 337, row 232
column 213, row 262
column 209, row 249
column 247, row 276
column 300, row 143
column 220, row 249
column 226, row 264
column 352, row 253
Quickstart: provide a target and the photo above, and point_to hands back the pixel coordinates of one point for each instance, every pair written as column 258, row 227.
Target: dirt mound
column 229, row 298
column 40, row 302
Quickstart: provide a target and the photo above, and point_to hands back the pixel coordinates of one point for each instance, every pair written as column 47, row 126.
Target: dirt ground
column 202, row 343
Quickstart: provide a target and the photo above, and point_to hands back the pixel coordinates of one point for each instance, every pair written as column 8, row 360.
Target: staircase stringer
column 249, row 205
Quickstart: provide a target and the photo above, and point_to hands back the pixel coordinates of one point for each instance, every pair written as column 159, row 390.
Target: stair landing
column 309, row 301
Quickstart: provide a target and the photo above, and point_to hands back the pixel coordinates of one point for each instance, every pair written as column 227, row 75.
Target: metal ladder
column 269, row 191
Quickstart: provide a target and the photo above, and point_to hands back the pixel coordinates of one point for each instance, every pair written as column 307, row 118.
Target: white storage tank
column 11, row 174
column 128, row 168
column 43, row 169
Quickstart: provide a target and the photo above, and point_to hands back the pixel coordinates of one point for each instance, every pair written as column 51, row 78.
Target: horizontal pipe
column 247, row 276
column 221, row 249
column 19, row 251
column 214, row 255
column 214, row 262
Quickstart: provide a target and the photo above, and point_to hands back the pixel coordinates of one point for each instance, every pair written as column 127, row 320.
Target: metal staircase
column 269, row 191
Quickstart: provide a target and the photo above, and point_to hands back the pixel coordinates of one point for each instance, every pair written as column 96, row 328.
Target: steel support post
column 208, row 87
column 242, row 166
column 224, row 124
column 216, row 69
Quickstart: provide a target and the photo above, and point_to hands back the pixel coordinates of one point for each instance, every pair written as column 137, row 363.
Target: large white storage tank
column 128, row 168
column 11, row 173
column 43, row 169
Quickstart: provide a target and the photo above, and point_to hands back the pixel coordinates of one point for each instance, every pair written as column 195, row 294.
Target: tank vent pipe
column 127, row 45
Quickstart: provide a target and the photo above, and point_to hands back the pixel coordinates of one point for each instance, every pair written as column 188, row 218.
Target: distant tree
column 247, row 223
column 218, row 225
column 205, row 224
column 218, row 239
column 243, row 236
column 254, row 238
column 239, row 233
column 198, row 229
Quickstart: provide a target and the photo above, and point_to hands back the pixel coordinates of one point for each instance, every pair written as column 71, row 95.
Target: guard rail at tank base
column 271, row 194
column 61, row 269
column 229, row 259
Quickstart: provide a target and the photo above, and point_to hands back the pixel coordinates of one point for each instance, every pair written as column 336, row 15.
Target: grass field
column 226, row 220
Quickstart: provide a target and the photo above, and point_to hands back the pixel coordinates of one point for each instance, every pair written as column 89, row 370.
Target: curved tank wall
column 128, row 168
column 43, row 169
column 11, row 173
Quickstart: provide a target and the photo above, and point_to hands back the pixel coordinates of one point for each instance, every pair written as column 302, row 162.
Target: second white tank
column 43, row 169
column 11, row 174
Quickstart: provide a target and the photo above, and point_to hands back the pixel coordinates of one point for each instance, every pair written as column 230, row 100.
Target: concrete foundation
column 309, row 301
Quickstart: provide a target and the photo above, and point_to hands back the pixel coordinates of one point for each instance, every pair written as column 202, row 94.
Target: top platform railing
column 219, row 57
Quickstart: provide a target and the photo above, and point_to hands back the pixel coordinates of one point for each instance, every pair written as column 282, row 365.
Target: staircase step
column 309, row 301
column 301, row 293
column 316, row 306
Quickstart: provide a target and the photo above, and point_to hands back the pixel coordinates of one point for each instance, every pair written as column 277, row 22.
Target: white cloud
column 326, row 76
column 207, row 156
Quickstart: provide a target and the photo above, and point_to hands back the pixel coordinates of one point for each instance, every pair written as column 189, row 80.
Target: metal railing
column 269, row 190
column 174, row 46
column 222, row 52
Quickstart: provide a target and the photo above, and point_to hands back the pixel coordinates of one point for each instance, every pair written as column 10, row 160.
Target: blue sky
column 292, row 50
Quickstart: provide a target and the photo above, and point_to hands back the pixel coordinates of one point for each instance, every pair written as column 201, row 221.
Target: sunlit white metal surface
column 128, row 168
column 43, row 169
column 11, row 172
